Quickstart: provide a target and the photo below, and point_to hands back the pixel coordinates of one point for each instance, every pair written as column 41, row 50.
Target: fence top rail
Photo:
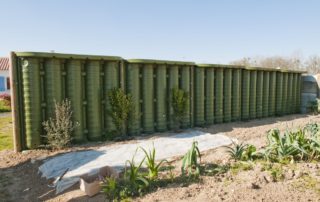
column 160, row 62
column 220, row 66
column 66, row 56
column 250, row 68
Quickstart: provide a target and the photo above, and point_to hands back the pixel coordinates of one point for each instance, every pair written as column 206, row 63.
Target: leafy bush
column 6, row 99
column 190, row 162
column 179, row 104
column 152, row 166
column 313, row 106
column 59, row 129
column 5, row 103
column 121, row 106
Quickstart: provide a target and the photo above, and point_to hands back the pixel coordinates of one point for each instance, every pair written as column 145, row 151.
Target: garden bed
column 242, row 182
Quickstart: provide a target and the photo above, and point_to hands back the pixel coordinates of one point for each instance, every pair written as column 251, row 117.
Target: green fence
column 217, row 93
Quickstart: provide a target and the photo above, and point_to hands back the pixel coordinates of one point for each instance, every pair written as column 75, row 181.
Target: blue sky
column 200, row 31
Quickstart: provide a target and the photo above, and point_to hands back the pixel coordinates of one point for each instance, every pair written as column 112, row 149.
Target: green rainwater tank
column 294, row 94
column 133, row 88
column 285, row 93
column 147, row 99
column 74, row 93
column 218, row 90
column 93, row 100
column 209, row 95
column 245, row 97
column 161, row 97
column 185, row 85
column 253, row 94
column 290, row 101
column 32, row 102
column 272, row 93
column 259, row 93
column 111, row 81
column 279, row 96
column 227, row 100
column 236, row 94
column 199, row 96
column 266, row 91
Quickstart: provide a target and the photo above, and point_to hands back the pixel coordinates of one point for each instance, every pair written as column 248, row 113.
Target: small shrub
column 153, row 167
column 6, row 98
column 59, row 128
column 179, row 104
column 313, row 106
column 190, row 162
column 121, row 106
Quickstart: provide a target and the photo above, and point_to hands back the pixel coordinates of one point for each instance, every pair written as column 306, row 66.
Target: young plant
column 152, row 166
column 121, row 105
column 111, row 188
column 237, row 151
column 179, row 103
column 190, row 163
column 59, row 128
column 137, row 181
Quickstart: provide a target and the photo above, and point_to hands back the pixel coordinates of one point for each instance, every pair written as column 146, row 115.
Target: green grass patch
column 240, row 166
column 4, row 107
column 6, row 141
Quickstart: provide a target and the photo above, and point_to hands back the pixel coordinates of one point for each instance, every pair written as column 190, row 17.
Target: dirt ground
column 20, row 180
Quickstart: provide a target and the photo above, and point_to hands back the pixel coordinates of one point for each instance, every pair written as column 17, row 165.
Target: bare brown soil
column 20, row 180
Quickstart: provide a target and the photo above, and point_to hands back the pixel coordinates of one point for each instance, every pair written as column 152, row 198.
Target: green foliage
column 179, row 103
column 190, row 164
column 242, row 152
column 314, row 106
column 240, row 166
column 59, row 128
column 6, row 140
column 121, row 105
column 152, row 166
column 4, row 107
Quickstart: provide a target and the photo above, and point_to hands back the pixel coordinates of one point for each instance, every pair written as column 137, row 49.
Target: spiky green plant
column 236, row 151
column 132, row 174
column 190, row 163
column 153, row 167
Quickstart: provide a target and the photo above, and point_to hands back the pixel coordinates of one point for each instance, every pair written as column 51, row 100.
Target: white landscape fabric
column 115, row 155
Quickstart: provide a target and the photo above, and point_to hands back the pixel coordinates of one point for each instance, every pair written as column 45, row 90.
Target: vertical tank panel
column 272, row 93
column 298, row 93
column 259, row 93
column 147, row 97
column 227, row 95
column 253, row 95
column 285, row 93
column 185, row 85
column 161, row 91
column 266, row 91
column 32, row 102
column 199, row 97
column 218, row 105
column 53, row 88
column 111, row 81
column 245, row 97
column 133, row 89
column 294, row 93
column 173, row 83
column 74, row 94
column 290, row 101
column 279, row 88
column 236, row 94
column 209, row 96
column 93, row 100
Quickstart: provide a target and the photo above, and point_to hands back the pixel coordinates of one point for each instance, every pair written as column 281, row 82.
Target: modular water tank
column 309, row 91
